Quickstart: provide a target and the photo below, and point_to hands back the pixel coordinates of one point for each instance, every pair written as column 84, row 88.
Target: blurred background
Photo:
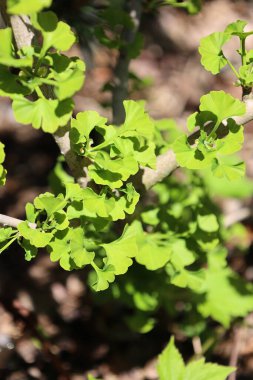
column 51, row 326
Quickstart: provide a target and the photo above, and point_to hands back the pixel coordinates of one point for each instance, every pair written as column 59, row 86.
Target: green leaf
column 199, row 370
column 210, row 49
column 49, row 203
column 170, row 363
column 47, row 114
column 30, row 250
column 237, row 29
column 36, row 237
column 55, row 34
column 120, row 251
column 69, row 81
column 6, row 233
column 125, row 204
column 10, row 83
column 189, row 156
column 103, row 277
column 221, row 104
column 89, row 204
column 78, row 253
column 137, row 121
column 229, row 170
column 140, row 323
column 171, row 367
column 112, row 173
column 227, row 296
column 68, row 248
column 26, row 7
column 207, row 222
column 7, row 55
column 153, row 252
column 81, row 127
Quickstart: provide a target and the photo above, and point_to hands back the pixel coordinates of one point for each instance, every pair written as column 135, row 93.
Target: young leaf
column 42, row 113
column 137, row 121
column 10, row 83
column 170, row 363
column 190, row 157
column 49, row 203
column 153, row 253
column 237, row 29
column 171, row 367
column 221, row 104
column 7, row 56
column 81, row 127
column 103, row 277
column 227, row 296
column 120, row 251
column 199, row 370
column 210, row 49
column 26, row 7
column 55, row 34
column 36, row 237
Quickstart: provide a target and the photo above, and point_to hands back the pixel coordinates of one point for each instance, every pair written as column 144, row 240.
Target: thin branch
column 120, row 89
column 167, row 163
column 13, row 222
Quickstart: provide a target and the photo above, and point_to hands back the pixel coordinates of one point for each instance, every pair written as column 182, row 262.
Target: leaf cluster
column 42, row 73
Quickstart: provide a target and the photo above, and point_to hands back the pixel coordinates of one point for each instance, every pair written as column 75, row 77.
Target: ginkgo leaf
column 26, row 7
column 49, row 203
column 10, row 83
column 170, row 363
column 210, row 49
column 42, row 113
column 103, row 277
column 81, row 126
column 237, row 29
column 227, row 296
column 55, row 34
column 36, row 237
column 152, row 252
column 69, row 81
column 137, row 121
column 199, row 370
column 120, row 251
column 230, row 170
column 171, row 367
column 7, row 55
column 221, row 104
column 189, row 156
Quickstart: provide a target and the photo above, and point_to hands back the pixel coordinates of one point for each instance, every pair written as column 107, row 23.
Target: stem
column 39, row 92
column 50, row 82
column 232, row 67
column 8, row 244
column 6, row 220
column 217, row 124
column 243, row 50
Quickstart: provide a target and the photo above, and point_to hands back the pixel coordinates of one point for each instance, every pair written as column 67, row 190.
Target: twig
column 120, row 89
column 238, row 338
column 6, row 220
column 197, row 346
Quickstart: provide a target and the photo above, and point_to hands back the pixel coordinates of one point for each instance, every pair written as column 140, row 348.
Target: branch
column 166, row 162
column 13, row 222
column 120, row 89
